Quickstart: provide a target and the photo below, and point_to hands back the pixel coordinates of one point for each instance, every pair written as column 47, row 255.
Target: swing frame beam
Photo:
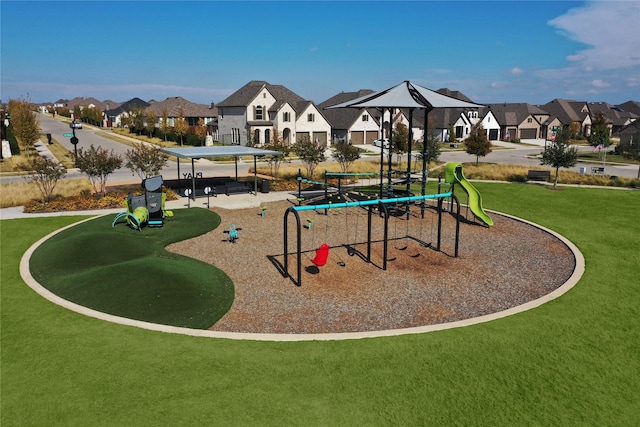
column 382, row 205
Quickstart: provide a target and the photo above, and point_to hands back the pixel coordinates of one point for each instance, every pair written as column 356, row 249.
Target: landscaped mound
column 129, row 273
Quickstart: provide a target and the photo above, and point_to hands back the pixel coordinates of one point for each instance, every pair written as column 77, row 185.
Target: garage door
column 528, row 133
column 371, row 136
column 493, row 134
column 357, row 138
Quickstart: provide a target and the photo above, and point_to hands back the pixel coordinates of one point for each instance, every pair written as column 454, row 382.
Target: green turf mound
column 129, row 273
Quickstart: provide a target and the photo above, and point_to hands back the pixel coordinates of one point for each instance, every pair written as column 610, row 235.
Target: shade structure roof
column 407, row 95
column 224, row 151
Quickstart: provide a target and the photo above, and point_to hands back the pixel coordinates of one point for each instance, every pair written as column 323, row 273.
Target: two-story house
column 573, row 115
column 250, row 115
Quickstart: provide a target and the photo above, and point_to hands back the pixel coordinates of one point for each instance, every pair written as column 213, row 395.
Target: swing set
column 374, row 207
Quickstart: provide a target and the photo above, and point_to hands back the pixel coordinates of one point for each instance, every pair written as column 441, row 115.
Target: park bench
column 538, row 175
column 597, row 170
column 236, row 187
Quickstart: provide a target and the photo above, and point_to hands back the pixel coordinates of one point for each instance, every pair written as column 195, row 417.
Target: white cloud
column 610, row 29
column 516, row 71
column 599, row 83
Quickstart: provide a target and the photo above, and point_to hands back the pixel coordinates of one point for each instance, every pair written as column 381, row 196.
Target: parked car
column 381, row 143
column 75, row 125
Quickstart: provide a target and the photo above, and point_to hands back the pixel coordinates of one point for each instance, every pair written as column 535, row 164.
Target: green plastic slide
column 453, row 174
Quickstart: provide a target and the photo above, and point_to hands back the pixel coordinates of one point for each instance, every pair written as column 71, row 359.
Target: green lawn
column 573, row 361
column 130, row 274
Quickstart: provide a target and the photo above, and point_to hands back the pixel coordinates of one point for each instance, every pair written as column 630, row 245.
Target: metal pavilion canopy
column 234, row 151
column 411, row 96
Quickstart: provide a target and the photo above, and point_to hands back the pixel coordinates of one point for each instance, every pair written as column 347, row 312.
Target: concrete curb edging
column 42, row 291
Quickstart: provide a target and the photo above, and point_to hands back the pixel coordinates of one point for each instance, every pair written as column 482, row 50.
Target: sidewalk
column 234, row 201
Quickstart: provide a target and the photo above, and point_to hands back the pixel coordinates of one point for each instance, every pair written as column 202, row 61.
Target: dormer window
column 365, row 117
column 311, row 117
column 259, row 113
column 286, row 116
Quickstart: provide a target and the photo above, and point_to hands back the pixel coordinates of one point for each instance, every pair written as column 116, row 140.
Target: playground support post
column 382, row 205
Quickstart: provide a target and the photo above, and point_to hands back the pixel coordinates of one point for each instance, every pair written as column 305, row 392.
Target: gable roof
column 344, row 118
column 631, row 106
column 512, row 114
column 454, row 94
column 566, row 110
column 128, row 106
column 174, row 104
column 243, row 96
column 614, row 115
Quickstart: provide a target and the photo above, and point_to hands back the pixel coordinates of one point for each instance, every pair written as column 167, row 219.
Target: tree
column 399, row 139
column 180, row 126
column 201, row 130
column 98, row 164
column 164, row 124
column 599, row 132
column 452, row 135
column 26, row 126
column 433, row 148
column 310, row 153
column 44, row 172
column 345, row 155
column 477, row 142
column 560, row 154
column 136, row 117
column 276, row 144
column 151, row 118
column 146, row 160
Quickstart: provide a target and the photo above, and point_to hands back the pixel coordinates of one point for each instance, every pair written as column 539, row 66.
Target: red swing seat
column 322, row 253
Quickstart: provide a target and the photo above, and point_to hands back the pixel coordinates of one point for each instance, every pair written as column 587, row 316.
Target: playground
column 499, row 268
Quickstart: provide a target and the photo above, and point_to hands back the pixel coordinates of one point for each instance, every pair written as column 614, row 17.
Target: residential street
column 507, row 153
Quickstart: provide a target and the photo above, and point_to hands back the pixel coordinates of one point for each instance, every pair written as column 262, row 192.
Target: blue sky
column 500, row 51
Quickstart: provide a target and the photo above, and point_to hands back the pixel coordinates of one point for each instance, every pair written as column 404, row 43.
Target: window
column 235, row 136
column 365, row 117
column 529, row 120
column 311, row 117
column 258, row 112
column 286, row 116
column 267, row 136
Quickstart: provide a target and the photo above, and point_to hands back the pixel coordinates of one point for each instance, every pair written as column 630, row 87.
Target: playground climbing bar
column 370, row 203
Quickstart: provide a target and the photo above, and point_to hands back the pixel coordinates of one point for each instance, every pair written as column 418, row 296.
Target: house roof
column 243, row 96
column 615, row 115
column 631, row 106
column 512, row 114
column 128, row 106
column 175, row 104
column 566, row 110
column 344, row 118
